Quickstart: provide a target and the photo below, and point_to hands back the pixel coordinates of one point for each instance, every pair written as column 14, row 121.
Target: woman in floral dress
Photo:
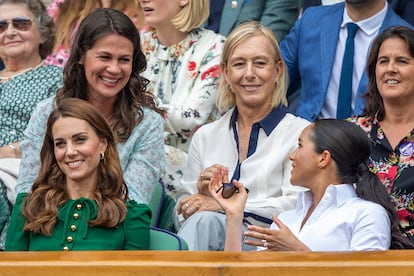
column 183, row 69
column 389, row 118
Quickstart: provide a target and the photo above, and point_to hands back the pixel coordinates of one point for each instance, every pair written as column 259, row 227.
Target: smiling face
column 16, row 44
column 77, row 150
column 304, row 160
column 108, row 67
column 252, row 72
column 395, row 70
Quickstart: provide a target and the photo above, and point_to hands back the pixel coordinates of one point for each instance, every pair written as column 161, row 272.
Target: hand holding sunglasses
column 228, row 189
column 20, row 23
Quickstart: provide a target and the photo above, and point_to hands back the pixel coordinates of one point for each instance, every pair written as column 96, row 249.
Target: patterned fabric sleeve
column 143, row 157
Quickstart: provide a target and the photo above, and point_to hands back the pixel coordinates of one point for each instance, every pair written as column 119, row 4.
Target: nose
column 71, row 150
column 250, row 73
column 391, row 66
column 292, row 155
column 113, row 67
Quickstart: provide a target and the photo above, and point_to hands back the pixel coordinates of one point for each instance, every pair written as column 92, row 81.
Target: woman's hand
column 275, row 240
column 234, row 205
column 195, row 203
column 207, row 174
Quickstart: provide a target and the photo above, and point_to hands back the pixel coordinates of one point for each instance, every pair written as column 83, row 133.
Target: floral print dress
column 395, row 169
column 185, row 79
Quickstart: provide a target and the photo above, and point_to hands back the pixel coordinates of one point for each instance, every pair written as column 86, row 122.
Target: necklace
column 22, row 72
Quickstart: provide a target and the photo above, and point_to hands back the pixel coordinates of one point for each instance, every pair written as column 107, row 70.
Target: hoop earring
column 102, row 156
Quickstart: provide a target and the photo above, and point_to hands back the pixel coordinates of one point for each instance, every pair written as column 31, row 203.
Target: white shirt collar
column 369, row 25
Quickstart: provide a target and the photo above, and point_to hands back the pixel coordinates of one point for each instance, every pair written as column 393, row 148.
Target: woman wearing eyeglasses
column 27, row 36
column 252, row 141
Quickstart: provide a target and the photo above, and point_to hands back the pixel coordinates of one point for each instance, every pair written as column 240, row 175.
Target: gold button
column 78, row 206
column 75, row 215
column 233, row 4
column 65, row 248
column 73, row 228
column 69, row 239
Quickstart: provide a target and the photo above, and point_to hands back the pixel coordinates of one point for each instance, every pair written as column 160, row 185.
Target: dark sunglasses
column 21, row 23
column 228, row 189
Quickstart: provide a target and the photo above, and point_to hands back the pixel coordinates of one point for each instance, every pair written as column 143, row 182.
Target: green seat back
column 162, row 239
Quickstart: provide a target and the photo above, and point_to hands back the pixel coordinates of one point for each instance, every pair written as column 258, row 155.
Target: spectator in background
column 388, row 118
column 344, row 209
column 27, row 35
column 252, row 141
column 278, row 15
column 314, row 49
column 183, row 69
column 80, row 173
column 404, row 8
column 68, row 14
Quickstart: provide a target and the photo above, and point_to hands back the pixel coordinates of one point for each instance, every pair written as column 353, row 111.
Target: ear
column 103, row 145
column 224, row 71
column 279, row 69
column 324, row 159
column 184, row 3
column 82, row 60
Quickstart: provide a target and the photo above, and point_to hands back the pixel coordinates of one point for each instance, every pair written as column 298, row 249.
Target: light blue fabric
column 309, row 52
column 142, row 156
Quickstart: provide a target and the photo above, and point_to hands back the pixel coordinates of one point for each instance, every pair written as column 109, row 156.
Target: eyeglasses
column 228, row 189
column 21, row 23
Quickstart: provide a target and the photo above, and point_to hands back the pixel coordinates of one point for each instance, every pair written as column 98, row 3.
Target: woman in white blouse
column 346, row 208
column 183, row 67
column 253, row 140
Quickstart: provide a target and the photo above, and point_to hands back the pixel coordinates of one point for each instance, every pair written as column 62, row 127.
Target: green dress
column 72, row 231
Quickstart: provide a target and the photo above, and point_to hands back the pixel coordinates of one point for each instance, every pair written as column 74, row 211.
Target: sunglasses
column 21, row 23
column 228, row 189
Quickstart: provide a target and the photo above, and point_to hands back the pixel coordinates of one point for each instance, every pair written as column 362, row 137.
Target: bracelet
column 14, row 148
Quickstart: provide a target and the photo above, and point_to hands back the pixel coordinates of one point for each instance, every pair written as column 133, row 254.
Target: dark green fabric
column 166, row 217
column 132, row 233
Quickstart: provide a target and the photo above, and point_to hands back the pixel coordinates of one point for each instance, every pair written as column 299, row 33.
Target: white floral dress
column 185, row 79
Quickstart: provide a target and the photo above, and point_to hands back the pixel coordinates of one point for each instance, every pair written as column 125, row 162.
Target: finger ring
column 187, row 205
column 264, row 243
column 201, row 178
column 192, row 209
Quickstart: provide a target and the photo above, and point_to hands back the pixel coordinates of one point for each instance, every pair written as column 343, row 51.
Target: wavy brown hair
column 130, row 101
column 49, row 189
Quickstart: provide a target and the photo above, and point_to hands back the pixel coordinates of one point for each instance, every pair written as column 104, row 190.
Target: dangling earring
column 102, row 156
column 229, row 88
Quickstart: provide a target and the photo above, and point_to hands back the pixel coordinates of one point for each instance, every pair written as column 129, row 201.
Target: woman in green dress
column 79, row 200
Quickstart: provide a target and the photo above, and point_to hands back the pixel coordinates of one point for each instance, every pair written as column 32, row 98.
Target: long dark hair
column 133, row 97
column 374, row 105
column 49, row 189
column 350, row 148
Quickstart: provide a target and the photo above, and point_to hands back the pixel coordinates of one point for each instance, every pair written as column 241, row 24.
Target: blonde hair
column 192, row 16
column 226, row 98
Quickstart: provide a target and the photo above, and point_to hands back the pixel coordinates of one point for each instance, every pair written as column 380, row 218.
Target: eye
column 238, row 64
column 59, row 144
column 125, row 60
column 81, row 139
column 382, row 61
column 104, row 57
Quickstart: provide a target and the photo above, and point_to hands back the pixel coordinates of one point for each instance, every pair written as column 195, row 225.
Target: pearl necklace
column 22, row 72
